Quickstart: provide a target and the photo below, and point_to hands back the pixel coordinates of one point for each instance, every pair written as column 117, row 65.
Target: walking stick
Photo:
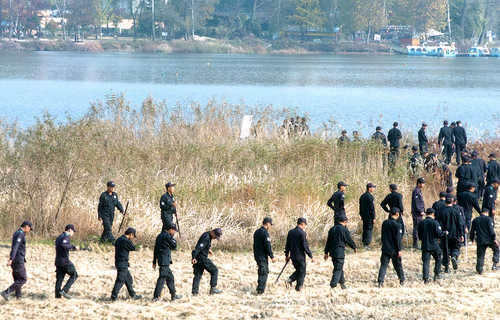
column 123, row 219
column 281, row 272
column 178, row 227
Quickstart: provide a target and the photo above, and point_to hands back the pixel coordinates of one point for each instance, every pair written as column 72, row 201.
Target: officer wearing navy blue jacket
column 123, row 246
column 164, row 245
column 63, row 265
column 108, row 201
column 262, row 251
column 17, row 259
column 296, row 250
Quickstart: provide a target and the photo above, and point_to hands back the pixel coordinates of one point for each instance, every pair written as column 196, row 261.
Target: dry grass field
column 460, row 295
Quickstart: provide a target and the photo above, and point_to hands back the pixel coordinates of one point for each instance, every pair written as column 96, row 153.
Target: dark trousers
column 458, row 151
column 468, row 219
column 20, row 278
column 123, row 277
column 167, row 220
column 338, row 272
column 426, row 261
column 61, row 272
column 107, row 232
column 396, row 263
column 424, row 147
column 402, row 223
column 416, row 220
column 452, row 249
column 367, row 232
column 167, row 276
column 393, row 157
column 448, row 152
column 262, row 273
column 199, row 268
column 480, row 188
column 481, row 251
column 300, row 273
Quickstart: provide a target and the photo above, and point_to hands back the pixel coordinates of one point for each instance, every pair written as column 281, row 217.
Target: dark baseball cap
column 342, row 218
column 424, row 124
column 170, row 184
column 492, row 155
column 267, row 220
column 130, row 231
column 217, row 232
column 443, row 194
column 70, row 227
column 395, row 210
column 430, row 211
column 395, row 124
column 393, row 186
column 414, row 148
column 470, row 185
column 341, row 183
column 466, row 159
column 27, row 223
column 111, row 184
column 378, row 128
column 445, row 122
column 453, row 123
column 420, row 180
column 449, row 189
column 496, row 180
column 449, row 199
column 474, row 153
column 301, row 220
column 172, row 226
column 370, row 185
column 459, row 122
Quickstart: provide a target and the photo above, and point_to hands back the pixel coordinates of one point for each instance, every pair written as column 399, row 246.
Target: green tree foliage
column 308, row 15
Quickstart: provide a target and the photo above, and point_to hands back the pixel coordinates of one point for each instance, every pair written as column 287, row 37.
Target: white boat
column 478, row 52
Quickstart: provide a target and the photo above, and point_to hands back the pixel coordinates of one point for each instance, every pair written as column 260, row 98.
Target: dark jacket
column 465, row 175
column 394, row 136
column 107, row 205
column 391, row 237
column 468, row 201
column 338, row 237
column 460, row 136
column 203, row 245
column 450, row 221
column 422, row 138
column 18, row 248
column 479, row 167
column 123, row 246
column 366, row 207
column 63, row 247
column 338, row 202
column 164, row 245
column 438, row 206
column 393, row 200
column 493, row 171
column 296, row 244
column 379, row 136
column 167, row 204
column 483, row 231
column 489, row 198
column 429, row 231
column 262, row 245
column 417, row 202
column 445, row 136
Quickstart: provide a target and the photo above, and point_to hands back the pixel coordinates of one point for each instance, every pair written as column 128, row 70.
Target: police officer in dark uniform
column 440, row 204
column 367, row 213
column 391, row 248
column 493, row 169
column 17, row 258
column 417, row 208
column 394, row 200
column 468, row 201
column 423, row 142
column 484, row 231
column 479, row 167
column 460, row 137
column 465, row 175
column 168, row 206
column 429, row 232
column 336, row 201
column 379, row 136
column 63, row 265
column 394, row 136
column 201, row 262
column 446, row 139
column 296, row 249
column 123, row 246
column 162, row 257
column 343, row 139
column 106, row 211
column 449, row 219
column 338, row 237
column 490, row 197
column 262, row 250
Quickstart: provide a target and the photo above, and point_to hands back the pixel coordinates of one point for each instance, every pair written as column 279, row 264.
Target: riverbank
column 201, row 45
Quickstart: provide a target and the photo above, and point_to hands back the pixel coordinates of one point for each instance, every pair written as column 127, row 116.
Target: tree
column 308, row 15
column 61, row 12
column 370, row 16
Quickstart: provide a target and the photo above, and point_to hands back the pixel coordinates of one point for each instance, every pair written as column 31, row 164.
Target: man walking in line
column 63, row 265
column 394, row 200
column 162, row 256
column 108, row 201
column 429, row 232
column 445, row 138
column 296, row 250
column 391, row 248
column 168, row 206
column 417, row 209
column 367, row 213
column 483, row 231
column 460, row 137
column 336, row 202
column 423, row 142
column 123, row 246
column 201, row 262
column 262, row 251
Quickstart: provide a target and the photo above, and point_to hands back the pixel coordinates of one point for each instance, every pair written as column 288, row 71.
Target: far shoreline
column 204, row 46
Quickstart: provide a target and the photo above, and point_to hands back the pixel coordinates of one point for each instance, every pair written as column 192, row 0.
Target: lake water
column 357, row 92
